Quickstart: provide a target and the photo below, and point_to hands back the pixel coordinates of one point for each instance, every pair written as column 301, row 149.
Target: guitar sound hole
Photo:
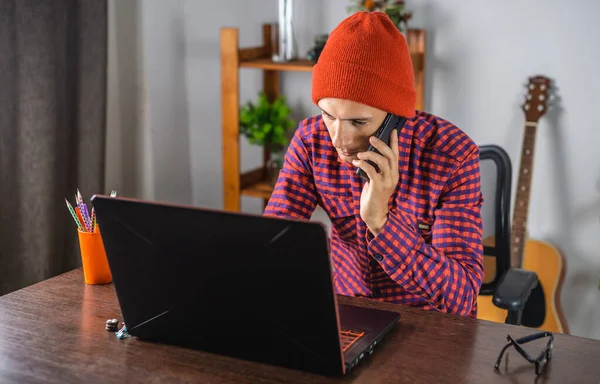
column 534, row 312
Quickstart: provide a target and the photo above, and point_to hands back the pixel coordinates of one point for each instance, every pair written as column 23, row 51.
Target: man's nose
column 336, row 135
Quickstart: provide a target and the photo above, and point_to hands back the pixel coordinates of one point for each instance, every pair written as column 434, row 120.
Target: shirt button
column 377, row 257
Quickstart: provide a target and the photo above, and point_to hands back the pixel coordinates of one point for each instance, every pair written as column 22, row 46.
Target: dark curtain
column 53, row 57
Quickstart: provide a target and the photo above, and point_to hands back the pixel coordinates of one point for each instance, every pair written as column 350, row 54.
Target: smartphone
column 384, row 132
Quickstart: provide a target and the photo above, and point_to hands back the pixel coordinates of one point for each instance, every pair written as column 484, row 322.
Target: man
column 413, row 233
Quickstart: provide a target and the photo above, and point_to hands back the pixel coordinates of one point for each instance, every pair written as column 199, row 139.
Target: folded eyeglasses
column 539, row 361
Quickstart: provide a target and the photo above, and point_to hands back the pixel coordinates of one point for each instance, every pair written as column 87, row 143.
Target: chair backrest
column 496, row 181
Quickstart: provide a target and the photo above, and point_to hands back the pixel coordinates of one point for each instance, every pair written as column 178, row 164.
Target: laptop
column 241, row 285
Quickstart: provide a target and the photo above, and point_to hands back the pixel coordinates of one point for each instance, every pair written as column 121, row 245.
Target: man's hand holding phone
column 377, row 191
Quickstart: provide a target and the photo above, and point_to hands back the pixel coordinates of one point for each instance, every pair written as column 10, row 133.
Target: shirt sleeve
column 294, row 195
column 448, row 272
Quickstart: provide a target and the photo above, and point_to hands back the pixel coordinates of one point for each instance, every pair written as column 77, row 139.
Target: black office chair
column 510, row 287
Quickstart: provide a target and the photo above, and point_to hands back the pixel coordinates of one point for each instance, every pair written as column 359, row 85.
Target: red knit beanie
column 366, row 59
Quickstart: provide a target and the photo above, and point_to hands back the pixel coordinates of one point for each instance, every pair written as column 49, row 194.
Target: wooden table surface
column 53, row 332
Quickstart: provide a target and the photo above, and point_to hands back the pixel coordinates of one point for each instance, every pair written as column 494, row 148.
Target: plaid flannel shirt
column 429, row 253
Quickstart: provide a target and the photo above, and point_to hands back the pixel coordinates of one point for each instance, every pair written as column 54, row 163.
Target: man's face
column 350, row 124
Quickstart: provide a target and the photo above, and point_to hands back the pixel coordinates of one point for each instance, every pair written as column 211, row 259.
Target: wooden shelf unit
column 252, row 183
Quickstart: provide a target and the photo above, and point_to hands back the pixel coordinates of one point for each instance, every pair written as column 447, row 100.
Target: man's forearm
column 448, row 279
column 292, row 197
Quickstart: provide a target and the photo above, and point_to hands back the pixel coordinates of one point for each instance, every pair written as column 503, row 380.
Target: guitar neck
column 521, row 210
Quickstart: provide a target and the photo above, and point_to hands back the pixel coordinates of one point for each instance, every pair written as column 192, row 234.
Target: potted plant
column 395, row 9
column 266, row 123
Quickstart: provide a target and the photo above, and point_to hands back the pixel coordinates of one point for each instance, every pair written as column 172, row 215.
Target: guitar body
column 543, row 308
column 486, row 310
column 489, row 262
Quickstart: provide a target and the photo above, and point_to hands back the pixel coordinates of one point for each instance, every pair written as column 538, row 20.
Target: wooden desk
column 54, row 332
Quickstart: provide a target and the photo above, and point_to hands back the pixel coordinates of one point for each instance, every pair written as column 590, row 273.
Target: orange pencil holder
column 93, row 258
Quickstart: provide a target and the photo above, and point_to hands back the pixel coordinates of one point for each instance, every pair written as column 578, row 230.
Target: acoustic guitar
column 542, row 309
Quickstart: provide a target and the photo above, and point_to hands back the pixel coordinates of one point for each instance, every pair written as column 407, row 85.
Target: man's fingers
column 385, row 150
column 368, row 168
column 382, row 163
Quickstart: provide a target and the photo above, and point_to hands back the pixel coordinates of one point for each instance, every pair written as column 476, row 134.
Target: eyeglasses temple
column 502, row 353
column 535, row 336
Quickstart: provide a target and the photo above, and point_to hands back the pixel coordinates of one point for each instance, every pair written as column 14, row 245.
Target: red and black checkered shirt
column 429, row 253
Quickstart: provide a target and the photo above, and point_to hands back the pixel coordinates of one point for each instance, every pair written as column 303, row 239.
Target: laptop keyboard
column 349, row 338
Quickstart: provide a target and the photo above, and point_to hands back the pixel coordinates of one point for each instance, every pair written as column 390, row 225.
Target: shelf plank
column 296, row 65
column 306, row 65
column 256, row 53
column 252, row 177
column 261, row 189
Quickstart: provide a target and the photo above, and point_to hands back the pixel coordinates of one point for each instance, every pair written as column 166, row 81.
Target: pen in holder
column 93, row 258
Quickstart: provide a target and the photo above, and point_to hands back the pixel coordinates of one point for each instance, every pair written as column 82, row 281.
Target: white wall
column 165, row 134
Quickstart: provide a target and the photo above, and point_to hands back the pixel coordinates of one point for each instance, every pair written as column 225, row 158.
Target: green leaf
column 264, row 122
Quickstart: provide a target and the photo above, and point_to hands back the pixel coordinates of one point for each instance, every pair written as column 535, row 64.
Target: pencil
column 84, row 212
column 93, row 220
column 78, row 212
column 79, row 225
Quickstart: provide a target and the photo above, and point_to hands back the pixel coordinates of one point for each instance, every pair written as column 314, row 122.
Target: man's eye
column 359, row 122
column 327, row 115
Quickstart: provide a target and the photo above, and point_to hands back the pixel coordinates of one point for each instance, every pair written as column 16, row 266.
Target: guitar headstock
column 536, row 103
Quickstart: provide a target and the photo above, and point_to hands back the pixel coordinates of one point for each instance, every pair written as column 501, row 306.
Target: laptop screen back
column 243, row 285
